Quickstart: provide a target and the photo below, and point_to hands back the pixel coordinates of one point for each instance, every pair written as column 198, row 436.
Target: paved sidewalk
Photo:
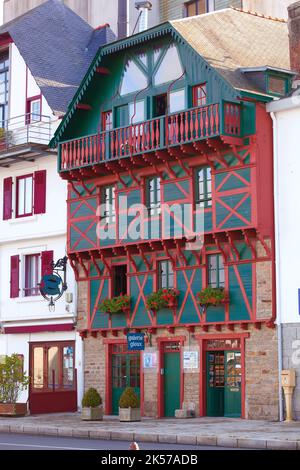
column 222, row 432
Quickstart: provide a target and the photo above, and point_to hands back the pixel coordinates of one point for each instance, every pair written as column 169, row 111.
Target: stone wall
column 291, row 359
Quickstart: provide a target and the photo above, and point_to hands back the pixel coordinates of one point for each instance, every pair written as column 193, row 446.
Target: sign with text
column 136, row 341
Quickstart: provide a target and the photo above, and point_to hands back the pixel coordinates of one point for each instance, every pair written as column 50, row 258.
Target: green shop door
column 125, row 373
column 233, row 384
column 215, row 383
column 171, row 362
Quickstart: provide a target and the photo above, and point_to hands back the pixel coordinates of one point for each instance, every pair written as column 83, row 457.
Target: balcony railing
column 25, row 129
column 155, row 134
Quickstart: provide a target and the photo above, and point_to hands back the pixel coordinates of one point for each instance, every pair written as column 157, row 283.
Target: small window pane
column 25, row 194
column 277, row 85
column 35, row 110
column 133, row 80
column 68, row 367
column 177, row 101
column 53, row 367
column 38, row 368
column 137, row 112
column 154, row 196
column 170, row 67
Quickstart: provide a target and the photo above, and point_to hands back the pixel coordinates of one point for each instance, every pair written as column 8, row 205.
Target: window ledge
column 33, row 298
column 20, row 220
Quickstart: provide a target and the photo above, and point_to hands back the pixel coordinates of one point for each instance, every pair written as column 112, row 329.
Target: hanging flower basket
column 120, row 304
column 212, row 296
column 163, row 298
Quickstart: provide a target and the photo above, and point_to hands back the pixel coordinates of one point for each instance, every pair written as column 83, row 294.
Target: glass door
column 233, row 384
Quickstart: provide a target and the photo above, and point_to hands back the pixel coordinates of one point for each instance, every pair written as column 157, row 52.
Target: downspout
column 277, row 262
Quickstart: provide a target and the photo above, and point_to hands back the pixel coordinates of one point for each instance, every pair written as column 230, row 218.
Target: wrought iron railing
column 155, row 134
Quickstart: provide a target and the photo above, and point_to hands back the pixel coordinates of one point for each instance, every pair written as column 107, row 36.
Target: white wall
column 287, row 202
column 277, row 8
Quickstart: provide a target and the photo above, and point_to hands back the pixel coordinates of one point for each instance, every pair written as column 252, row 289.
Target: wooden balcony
column 210, row 126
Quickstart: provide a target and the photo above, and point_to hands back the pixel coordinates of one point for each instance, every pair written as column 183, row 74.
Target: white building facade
column 33, row 233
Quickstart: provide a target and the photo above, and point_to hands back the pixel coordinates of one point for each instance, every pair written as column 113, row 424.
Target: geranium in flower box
column 116, row 304
column 163, row 298
column 212, row 296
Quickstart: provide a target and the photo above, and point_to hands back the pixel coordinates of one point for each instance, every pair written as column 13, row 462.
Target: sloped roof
column 228, row 40
column 58, row 46
column 231, row 39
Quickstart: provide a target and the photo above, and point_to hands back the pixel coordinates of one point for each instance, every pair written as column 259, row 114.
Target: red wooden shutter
column 14, row 276
column 47, row 258
column 40, row 192
column 7, row 198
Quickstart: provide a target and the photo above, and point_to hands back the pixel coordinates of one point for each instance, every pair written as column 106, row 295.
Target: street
column 13, row 442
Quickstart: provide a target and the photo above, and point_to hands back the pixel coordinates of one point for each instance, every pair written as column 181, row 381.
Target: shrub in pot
column 13, row 381
column 129, row 406
column 92, row 409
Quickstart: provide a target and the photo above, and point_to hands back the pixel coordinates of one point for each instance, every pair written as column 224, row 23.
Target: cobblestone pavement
column 223, row 432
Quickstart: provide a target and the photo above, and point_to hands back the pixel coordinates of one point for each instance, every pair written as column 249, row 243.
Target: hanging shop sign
column 52, row 286
column 135, row 341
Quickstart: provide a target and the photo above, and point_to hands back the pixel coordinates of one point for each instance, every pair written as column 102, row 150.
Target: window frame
column 207, row 199
column 29, row 114
column 195, row 98
column 110, row 218
column 31, row 291
column 170, row 273
column 280, row 77
column 19, row 178
column 156, row 208
column 219, row 268
column 4, row 57
column 115, row 267
column 104, row 127
column 196, row 2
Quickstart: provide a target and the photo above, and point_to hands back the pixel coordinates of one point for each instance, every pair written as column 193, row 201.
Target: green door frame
column 160, row 395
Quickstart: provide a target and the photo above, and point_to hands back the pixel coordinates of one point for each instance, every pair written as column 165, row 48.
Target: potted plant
column 13, row 381
column 163, row 298
column 92, row 408
column 129, row 406
column 115, row 304
column 212, row 296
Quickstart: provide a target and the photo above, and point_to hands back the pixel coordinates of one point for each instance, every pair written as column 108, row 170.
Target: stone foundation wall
column 291, row 359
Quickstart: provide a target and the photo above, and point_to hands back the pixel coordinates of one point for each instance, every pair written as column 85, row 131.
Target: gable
column 163, row 63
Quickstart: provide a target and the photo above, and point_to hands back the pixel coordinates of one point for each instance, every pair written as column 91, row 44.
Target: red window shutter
column 47, row 258
column 40, row 192
column 7, row 198
column 14, row 276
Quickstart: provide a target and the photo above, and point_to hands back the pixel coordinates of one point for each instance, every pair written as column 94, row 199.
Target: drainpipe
column 277, row 263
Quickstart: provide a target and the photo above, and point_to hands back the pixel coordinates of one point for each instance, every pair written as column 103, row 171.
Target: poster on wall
column 191, row 360
column 150, row 360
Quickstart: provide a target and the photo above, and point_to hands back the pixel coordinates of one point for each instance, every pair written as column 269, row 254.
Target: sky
column 1, row 11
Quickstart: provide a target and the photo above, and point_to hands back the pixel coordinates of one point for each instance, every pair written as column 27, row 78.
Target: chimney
column 123, row 14
column 294, row 36
column 143, row 9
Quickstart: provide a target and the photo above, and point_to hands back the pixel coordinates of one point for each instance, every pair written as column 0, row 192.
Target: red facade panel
column 7, row 198
column 40, row 192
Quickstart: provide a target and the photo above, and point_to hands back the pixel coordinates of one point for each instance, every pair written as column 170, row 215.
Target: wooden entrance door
column 215, row 383
column 53, row 385
column 125, row 373
column 171, row 374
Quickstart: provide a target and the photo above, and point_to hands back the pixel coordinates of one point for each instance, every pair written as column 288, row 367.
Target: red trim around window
column 17, row 196
column 31, row 288
column 200, row 95
column 28, row 108
column 106, row 121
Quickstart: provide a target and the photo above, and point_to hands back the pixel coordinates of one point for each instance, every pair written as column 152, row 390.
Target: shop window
column 216, row 275
column 133, row 80
column 120, row 280
column 203, row 189
column 165, row 275
column 153, row 195
column 170, row 67
column 199, row 95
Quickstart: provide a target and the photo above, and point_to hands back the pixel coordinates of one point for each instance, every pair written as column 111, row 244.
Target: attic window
column 133, row 80
column 277, row 85
column 170, row 67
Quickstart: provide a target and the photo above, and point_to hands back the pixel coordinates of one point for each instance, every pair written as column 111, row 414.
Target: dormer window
column 277, row 85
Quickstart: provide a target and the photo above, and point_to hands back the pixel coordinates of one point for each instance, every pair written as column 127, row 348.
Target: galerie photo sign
column 136, row 341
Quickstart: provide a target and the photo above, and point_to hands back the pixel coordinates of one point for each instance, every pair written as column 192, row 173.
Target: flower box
column 120, row 304
column 163, row 298
column 212, row 297
column 129, row 414
column 92, row 413
column 13, row 409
